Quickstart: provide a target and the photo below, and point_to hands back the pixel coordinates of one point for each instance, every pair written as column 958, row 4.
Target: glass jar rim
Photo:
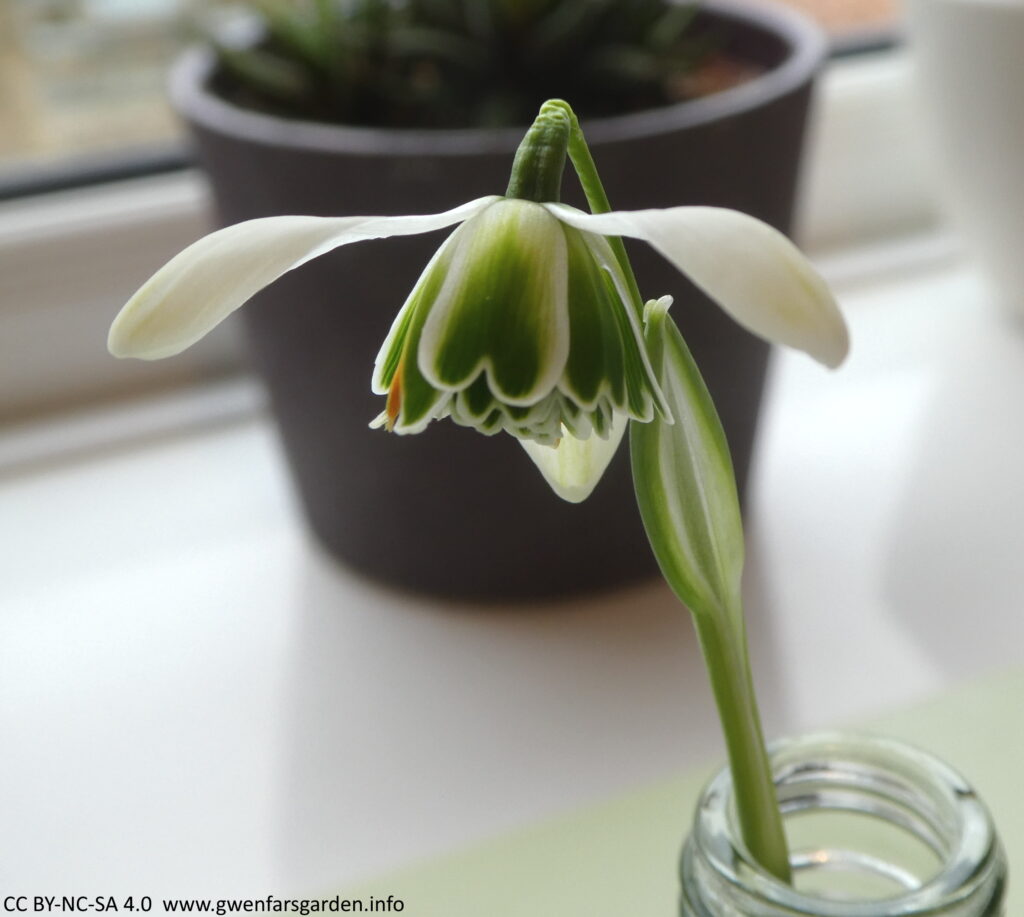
column 965, row 840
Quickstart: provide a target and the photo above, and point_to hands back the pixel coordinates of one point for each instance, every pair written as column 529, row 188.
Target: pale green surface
column 619, row 858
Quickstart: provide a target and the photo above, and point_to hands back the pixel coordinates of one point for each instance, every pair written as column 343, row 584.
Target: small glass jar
column 876, row 829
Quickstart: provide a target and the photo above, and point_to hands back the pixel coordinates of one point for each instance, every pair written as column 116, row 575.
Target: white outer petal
column 574, row 466
column 750, row 269
column 200, row 287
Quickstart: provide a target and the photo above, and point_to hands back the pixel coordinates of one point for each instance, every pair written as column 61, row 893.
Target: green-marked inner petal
column 423, row 295
column 595, row 352
column 642, row 387
column 477, row 400
column 420, row 400
column 502, row 309
column 608, row 356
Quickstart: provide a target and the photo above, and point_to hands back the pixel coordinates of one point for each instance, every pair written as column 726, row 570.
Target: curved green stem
column 540, row 160
column 597, row 198
column 684, row 463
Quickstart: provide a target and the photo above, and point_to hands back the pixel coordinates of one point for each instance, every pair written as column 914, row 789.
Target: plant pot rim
column 190, row 95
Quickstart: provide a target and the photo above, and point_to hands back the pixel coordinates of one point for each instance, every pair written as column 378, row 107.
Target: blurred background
column 197, row 699
column 82, row 81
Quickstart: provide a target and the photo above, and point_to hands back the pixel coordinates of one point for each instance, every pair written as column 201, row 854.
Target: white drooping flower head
column 524, row 321
column 520, row 323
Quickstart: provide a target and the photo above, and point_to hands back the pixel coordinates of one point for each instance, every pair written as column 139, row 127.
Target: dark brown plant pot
column 449, row 511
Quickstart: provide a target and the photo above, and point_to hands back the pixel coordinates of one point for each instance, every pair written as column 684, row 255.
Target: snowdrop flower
column 524, row 320
column 520, row 323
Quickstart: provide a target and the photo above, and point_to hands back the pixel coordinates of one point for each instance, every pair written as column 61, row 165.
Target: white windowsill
column 198, row 702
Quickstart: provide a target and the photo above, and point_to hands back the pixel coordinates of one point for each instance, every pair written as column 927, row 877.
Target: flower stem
column 686, row 493
column 720, row 625
column 724, row 646
column 597, row 198
column 540, row 160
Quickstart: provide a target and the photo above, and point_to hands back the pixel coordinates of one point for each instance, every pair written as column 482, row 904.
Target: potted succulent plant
column 374, row 107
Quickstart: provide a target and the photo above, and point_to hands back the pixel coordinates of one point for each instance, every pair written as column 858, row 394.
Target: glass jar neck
column 876, row 829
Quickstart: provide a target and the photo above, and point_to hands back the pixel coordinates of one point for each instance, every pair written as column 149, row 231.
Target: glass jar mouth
column 907, row 790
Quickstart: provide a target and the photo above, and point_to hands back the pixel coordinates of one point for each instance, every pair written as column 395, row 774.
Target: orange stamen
column 394, row 402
